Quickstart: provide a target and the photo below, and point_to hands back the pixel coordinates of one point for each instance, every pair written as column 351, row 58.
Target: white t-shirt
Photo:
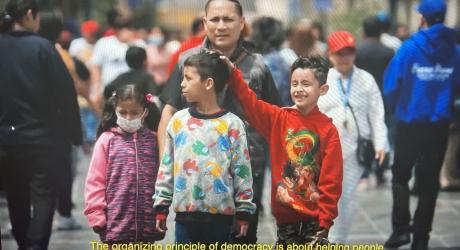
column 109, row 53
column 390, row 41
column 81, row 49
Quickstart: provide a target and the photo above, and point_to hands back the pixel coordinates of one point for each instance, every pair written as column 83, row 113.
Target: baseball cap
column 339, row 40
column 89, row 26
column 432, row 10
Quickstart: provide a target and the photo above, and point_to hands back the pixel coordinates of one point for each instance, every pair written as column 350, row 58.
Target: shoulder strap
column 354, row 117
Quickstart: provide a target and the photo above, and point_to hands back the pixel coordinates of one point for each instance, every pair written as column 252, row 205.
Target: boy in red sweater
column 306, row 155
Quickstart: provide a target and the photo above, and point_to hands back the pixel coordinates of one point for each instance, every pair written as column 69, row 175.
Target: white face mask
column 130, row 126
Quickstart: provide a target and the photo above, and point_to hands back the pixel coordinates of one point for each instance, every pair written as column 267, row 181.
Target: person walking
column 355, row 105
column 419, row 88
column 38, row 117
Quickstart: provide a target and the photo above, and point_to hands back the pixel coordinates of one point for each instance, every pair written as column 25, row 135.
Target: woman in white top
column 351, row 90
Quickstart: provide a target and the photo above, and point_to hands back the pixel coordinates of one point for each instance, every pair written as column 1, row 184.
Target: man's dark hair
column 439, row 18
column 317, row 64
column 50, row 26
column 267, row 34
column 210, row 65
column 237, row 3
column 123, row 23
column 135, row 57
column 371, row 27
column 197, row 25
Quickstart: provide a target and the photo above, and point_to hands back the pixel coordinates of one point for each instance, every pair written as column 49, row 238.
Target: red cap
column 340, row 40
column 89, row 26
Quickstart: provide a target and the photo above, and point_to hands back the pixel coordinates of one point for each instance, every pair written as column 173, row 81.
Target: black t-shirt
column 373, row 57
column 138, row 77
column 38, row 103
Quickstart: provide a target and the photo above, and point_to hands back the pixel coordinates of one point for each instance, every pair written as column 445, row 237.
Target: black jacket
column 38, row 102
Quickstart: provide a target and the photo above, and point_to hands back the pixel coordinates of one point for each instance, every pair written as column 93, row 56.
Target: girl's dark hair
column 317, row 64
column 123, row 93
column 209, row 65
column 14, row 11
column 267, row 34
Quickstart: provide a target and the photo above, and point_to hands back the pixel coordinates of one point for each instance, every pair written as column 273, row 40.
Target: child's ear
column 209, row 83
column 323, row 89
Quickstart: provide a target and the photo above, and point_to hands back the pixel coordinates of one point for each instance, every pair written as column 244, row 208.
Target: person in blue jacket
column 419, row 86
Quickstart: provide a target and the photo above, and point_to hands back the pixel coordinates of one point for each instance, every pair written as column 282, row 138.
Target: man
column 373, row 57
column 419, row 86
column 223, row 23
column 108, row 58
column 38, row 118
column 386, row 38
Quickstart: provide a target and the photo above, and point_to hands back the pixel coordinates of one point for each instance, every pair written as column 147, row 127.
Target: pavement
column 371, row 224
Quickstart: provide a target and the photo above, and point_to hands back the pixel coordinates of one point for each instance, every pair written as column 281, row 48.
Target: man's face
column 305, row 88
column 223, row 25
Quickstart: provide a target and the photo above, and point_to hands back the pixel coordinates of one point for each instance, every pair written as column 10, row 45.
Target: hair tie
column 150, row 98
column 7, row 17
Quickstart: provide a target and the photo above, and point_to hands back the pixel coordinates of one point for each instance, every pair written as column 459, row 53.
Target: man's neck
column 346, row 73
column 372, row 39
column 18, row 27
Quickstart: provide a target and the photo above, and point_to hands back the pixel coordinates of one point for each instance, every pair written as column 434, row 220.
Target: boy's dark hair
column 209, row 65
column 317, row 64
column 123, row 93
column 14, row 11
column 371, row 27
column 135, row 57
column 239, row 8
column 50, row 26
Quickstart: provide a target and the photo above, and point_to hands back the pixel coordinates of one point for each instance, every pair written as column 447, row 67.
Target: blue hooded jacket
column 419, row 82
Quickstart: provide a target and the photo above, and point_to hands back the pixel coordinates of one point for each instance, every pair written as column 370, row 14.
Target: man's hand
column 380, row 156
column 241, row 228
column 321, row 236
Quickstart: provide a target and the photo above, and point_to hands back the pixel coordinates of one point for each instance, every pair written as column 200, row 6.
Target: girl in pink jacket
column 123, row 169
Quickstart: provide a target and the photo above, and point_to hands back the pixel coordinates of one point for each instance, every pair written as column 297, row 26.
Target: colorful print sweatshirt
column 306, row 158
column 205, row 172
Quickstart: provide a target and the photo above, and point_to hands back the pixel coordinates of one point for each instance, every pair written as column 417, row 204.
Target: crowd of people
column 195, row 125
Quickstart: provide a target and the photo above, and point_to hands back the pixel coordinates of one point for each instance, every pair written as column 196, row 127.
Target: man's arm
column 171, row 95
column 166, row 114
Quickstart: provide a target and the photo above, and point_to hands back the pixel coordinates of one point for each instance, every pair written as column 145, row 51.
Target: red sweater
column 306, row 157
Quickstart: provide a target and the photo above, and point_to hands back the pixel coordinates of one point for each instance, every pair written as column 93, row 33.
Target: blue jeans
column 90, row 123
column 207, row 233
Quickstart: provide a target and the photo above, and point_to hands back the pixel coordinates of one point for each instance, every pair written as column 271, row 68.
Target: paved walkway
column 372, row 222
